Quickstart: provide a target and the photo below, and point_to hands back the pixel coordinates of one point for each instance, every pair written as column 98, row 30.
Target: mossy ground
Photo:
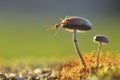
column 72, row 69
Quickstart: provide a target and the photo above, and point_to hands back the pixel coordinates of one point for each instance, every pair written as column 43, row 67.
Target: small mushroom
column 75, row 24
column 100, row 39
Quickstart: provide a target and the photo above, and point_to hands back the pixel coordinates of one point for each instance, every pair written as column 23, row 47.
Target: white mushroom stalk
column 75, row 24
column 77, row 48
column 100, row 39
column 98, row 53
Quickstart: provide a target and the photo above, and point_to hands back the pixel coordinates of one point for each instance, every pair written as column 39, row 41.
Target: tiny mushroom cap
column 75, row 22
column 101, row 38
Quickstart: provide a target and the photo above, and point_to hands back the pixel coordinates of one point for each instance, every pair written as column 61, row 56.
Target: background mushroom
column 75, row 24
column 100, row 39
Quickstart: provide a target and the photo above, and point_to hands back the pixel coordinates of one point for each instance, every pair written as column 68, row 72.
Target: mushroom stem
column 98, row 52
column 77, row 49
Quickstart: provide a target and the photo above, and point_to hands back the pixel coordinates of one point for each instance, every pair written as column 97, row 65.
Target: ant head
column 56, row 26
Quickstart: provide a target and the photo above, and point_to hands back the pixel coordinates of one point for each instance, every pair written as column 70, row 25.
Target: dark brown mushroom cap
column 101, row 38
column 75, row 22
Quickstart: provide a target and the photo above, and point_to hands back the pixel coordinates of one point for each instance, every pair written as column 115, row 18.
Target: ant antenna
column 67, row 16
column 58, row 30
column 61, row 19
column 48, row 27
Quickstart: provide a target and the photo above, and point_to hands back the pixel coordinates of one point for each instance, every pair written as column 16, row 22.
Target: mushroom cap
column 101, row 38
column 75, row 22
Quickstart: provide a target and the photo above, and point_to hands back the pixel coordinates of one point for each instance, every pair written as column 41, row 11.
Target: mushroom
column 100, row 39
column 75, row 24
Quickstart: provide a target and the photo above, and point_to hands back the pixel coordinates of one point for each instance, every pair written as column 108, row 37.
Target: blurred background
column 24, row 23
